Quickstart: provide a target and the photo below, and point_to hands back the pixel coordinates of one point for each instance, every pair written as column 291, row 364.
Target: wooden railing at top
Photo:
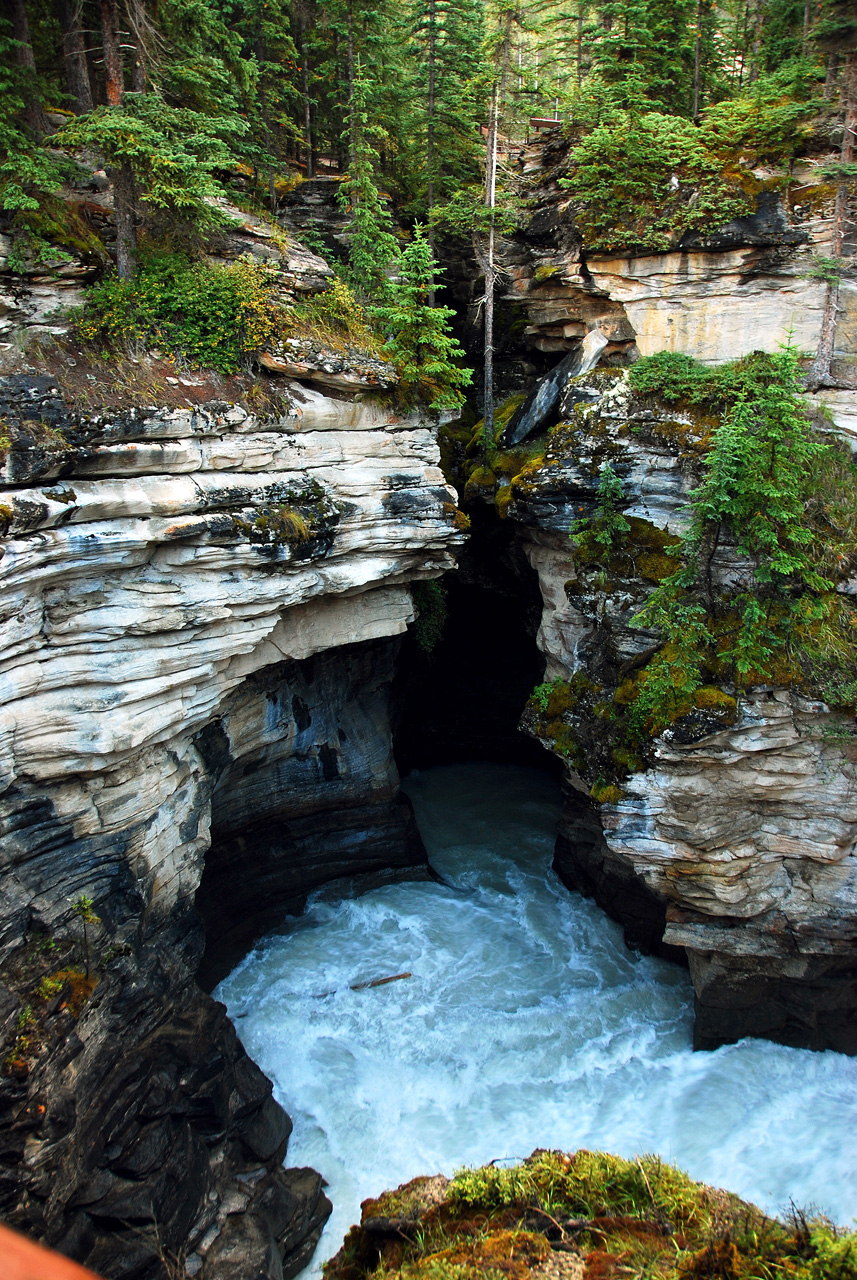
column 23, row 1259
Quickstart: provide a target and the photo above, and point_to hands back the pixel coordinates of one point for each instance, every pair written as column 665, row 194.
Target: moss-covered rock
column 599, row 1215
column 300, row 516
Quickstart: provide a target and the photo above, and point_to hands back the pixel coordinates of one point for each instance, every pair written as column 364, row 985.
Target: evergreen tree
column 646, row 51
column 373, row 250
column 440, row 151
column 418, row 337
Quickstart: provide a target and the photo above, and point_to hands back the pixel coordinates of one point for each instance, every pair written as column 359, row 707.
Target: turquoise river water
column 525, row 1023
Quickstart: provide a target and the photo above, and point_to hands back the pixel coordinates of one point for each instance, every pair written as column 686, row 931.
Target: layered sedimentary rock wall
column 749, row 285
column 718, row 295
column 737, row 840
column 734, row 844
column 200, row 608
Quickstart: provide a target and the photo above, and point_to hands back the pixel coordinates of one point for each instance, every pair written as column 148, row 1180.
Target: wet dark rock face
column 463, row 700
column 135, row 1128
column 290, row 815
column 143, row 1133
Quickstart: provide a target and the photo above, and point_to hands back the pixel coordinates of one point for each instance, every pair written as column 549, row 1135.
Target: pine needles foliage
column 776, row 616
column 419, row 343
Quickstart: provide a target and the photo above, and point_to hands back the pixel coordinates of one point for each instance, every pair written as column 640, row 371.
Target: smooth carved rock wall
column 716, row 306
column 164, row 675
column 737, row 844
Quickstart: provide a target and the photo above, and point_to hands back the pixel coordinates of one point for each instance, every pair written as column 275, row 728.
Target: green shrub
column 608, row 525
column 431, row 609
column 211, row 316
column 777, row 493
column 641, row 179
column 337, row 316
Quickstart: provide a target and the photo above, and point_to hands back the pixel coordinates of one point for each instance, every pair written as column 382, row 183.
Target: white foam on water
column 526, row 1023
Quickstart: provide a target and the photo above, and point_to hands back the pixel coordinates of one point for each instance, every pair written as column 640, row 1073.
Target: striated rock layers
column 736, row 840
column 747, row 286
column 200, row 609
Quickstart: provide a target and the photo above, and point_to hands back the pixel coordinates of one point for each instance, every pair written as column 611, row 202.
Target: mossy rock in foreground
column 587, row 1216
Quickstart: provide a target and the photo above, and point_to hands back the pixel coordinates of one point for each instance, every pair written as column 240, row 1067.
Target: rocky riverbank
column 201, row 604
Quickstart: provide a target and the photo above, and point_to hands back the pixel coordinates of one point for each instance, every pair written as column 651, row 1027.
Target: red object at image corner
column 23, row 1259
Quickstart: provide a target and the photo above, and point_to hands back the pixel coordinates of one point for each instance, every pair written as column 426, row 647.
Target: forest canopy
column 189, row 97
column 188, row 108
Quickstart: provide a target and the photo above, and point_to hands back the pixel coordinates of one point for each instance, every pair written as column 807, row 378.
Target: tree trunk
column 137, row 17
column 262, row 56
column 832, row 75
column 820, row 370
column 497, row 91
column 579, row 56
column 74, row 57
column 124, row 205
column 758, row 12
column 430, row 159
column 121, row 175
column 697, row 48
column 352, row 148
column 113, row 82
column 307, row 103
column 34, row 113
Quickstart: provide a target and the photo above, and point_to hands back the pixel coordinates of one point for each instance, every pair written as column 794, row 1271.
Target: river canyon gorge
column 224, row 650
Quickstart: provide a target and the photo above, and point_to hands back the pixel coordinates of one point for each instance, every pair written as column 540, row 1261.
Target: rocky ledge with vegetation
column 694, row 531
column 587, row 1216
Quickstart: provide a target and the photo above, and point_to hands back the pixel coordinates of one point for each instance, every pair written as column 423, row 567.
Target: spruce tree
column 373, row 250
column 440, row 151
column 418, row 337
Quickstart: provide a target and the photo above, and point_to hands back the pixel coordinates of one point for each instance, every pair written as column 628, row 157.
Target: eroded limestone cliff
column 733, row 836
column 201, row 607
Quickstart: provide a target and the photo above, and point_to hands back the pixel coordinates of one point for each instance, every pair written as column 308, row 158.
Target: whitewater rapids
column 526, row 1023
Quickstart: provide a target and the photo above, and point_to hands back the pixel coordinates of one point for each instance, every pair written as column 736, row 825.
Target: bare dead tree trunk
column 74, row 57
column 820, row 370
column 497, row 90
column 121, row 175
column 430, row 156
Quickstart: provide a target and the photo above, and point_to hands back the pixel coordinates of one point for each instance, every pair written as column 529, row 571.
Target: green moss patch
column 301, row 516
column 606, row 1218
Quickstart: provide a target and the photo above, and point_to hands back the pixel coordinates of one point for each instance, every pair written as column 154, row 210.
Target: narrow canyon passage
column 525, row 1022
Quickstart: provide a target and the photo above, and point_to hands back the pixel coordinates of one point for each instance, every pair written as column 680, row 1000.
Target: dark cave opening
column 464, row 699
column 319, row 802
